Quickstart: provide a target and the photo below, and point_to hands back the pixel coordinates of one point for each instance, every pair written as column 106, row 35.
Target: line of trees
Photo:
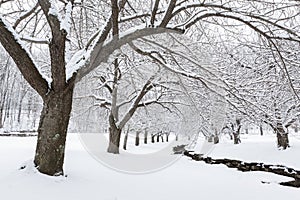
column 78, row 36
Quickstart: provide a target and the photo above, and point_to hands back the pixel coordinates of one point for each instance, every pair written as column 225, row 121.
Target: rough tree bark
column 236, row 133
column 57, row 97
column 114, row 136
column 282, row 137
column 52, row 132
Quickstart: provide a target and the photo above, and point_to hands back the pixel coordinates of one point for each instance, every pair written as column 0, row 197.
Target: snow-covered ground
column 258, row 148
column 185, row 179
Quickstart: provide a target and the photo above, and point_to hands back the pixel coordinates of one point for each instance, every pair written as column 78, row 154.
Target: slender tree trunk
column 152, row 138
column 282, row 135
column 137, row 138
column 261, row 130
column 236, row 134
column 167, row 137
column 126, row 139
column 176, row 137
column 1, row 117
column 146, row 137
column 296, row 129
column 20, row 107
column 157, row 138
column 216, row 139
column 52, row 132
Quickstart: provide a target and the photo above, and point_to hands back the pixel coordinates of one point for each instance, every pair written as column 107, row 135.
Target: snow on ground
column 185, row 179
column 256, row 148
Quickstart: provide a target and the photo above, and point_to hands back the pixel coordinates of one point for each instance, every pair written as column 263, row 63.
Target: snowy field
column 185, row 179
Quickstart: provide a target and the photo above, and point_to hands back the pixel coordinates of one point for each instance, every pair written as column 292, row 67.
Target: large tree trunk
column 236, row 138
column 114, row 136
column 114, row 140
column 52, row 132
column 282, row 138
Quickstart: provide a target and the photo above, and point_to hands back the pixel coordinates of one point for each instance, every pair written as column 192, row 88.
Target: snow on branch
column 55, row 18
column 66, row 21
column 101, row 51
column 77, row 61
column 21, row 44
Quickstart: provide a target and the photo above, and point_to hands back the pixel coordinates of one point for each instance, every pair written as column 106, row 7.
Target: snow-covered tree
column 56, row 25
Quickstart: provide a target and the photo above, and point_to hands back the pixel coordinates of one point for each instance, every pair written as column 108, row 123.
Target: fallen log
column 252, row 166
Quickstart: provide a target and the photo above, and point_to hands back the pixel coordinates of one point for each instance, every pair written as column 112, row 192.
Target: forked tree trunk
column 52, row 132
column 167, row 137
